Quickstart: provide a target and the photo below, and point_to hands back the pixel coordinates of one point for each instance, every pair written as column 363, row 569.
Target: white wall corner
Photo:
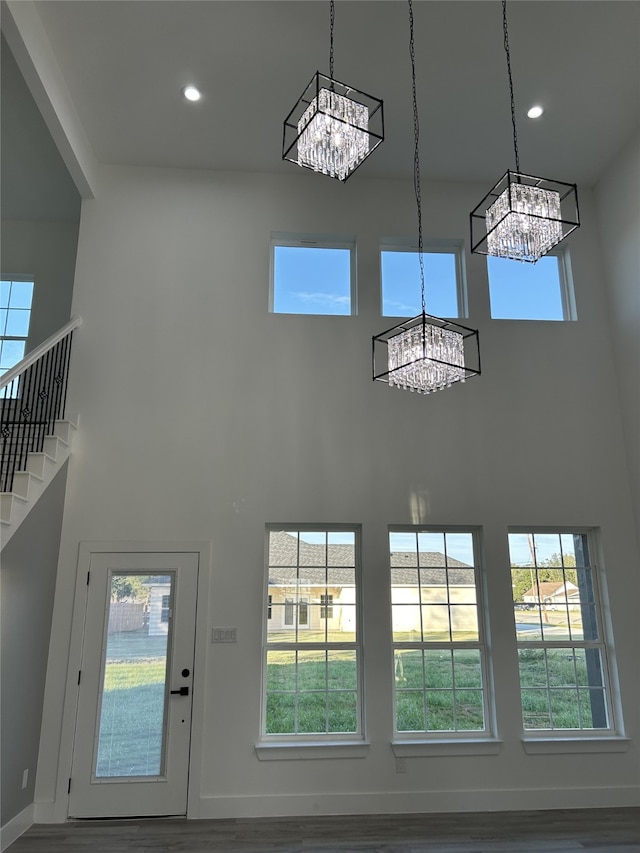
column 27, row 38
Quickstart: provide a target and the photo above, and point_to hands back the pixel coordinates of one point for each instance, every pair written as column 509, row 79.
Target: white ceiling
column 125, row 61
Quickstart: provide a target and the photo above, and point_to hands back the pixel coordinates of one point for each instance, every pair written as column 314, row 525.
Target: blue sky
column 401, row 284
column 459, row 545
column 312, row 280
column 522, row 291
column 15, row 305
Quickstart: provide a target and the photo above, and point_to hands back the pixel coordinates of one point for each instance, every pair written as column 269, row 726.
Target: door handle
column 183, row 691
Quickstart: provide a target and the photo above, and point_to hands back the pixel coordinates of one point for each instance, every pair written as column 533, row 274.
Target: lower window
column 312, row 652
column 438, row 646
column 561, row 651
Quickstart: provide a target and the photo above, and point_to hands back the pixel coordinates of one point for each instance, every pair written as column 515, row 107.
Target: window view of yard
column 312, row 691
column 312, row 653
column 561, row 656
column 438, row 654
column 132, row 712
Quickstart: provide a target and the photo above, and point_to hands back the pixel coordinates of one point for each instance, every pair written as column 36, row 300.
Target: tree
column 524, row 578
column 129, row 588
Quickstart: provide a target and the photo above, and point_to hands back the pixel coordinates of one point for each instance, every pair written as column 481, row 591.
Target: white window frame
column 573, row 740
column 443, row 246
column 307, row 743
column 408, row 743
column 314, row 241
column 567, row 291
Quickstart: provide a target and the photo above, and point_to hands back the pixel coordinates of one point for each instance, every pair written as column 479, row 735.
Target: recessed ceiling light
column 535, row 111
column 191, row 93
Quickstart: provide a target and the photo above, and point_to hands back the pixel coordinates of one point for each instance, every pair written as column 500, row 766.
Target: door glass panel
column 133, row 701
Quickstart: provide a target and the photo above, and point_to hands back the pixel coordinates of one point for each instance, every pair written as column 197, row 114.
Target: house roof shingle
column 335, row 564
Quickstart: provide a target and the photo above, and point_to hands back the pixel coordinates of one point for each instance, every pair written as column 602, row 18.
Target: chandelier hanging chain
column 424, row 353
column 332, row 20
column 416, row 155
column 513, row 103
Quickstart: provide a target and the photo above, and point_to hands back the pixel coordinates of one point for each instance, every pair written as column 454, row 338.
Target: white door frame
column 85, row 551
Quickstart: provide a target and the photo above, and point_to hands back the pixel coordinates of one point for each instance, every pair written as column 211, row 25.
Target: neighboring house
column 159, row 605
column 327, row 581
column 332, row 587
column 553, row 594
column 441, row 581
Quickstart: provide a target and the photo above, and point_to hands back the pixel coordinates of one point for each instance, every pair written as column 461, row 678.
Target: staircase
column 35, row 434
column 29, row 484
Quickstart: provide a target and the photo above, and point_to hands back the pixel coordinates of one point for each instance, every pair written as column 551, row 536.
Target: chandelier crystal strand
column 524, row 223
column 426, row 358
column 333, row 134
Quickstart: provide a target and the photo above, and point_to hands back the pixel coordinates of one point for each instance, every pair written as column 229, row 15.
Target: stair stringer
column 30, row 484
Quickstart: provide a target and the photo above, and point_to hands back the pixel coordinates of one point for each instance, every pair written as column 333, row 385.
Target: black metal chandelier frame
column 567, row 193
column 471, row 342
column 437, row 372
column 292, row 132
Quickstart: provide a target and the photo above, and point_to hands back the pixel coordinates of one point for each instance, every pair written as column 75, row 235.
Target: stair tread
column 16, row 496
column 28, row 473
column 37, row 468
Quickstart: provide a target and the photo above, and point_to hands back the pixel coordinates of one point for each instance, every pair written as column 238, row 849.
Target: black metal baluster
column 20, row 430
column 48, row 378
column 55, row 388
column 68, row 341
column 30, row 405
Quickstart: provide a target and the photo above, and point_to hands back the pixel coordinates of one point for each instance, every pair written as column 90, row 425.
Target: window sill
column 292, row 750
column 575, row 745
column 450, row 746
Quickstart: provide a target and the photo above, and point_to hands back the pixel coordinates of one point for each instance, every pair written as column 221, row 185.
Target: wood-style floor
column 592, row 830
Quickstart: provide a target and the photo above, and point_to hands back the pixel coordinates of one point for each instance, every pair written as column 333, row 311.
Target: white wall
column 618, row 199
column 29, row 563
column 40, row 205
column 45, row 250
column 205, row 417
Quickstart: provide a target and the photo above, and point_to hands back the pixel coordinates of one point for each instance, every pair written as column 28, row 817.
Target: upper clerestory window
column 540, row 291
column 312, row 274
column 444, row 280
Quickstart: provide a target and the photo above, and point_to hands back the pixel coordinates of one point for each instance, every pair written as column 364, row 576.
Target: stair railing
column 33, row 396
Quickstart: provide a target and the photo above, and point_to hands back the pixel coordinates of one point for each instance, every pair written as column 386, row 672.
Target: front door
column 133, row 727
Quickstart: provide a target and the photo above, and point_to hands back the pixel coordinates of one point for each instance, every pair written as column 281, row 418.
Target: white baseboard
column 15, row 827
column 423, row 802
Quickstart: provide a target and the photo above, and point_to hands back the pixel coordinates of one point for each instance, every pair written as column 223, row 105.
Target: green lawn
column 316, row 692
column 132, row 714
column 562, row 689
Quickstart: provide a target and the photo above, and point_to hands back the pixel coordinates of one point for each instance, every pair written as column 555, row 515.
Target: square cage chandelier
column 426, row 354
column 333, row 128
column 522, row 217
